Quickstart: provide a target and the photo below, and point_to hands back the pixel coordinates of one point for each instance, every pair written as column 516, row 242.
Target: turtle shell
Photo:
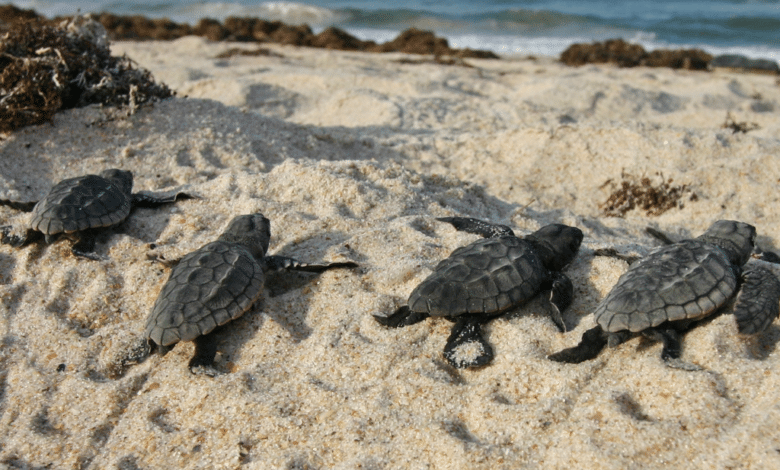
column 486, row 278
column 81, row 203
column 687, row 280
column 209, row 287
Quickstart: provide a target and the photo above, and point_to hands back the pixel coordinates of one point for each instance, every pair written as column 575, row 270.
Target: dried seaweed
column 46, row 68
column 743, row 127
column 235, row 51
column 436, row 60
column 640, row 193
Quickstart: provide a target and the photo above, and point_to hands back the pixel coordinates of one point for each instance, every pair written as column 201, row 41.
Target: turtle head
column 735, row 238
column 556, row 245
column 252, row 231
column 121, row 178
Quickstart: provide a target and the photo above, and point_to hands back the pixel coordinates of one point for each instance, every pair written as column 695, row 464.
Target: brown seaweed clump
column 742, row 126
column 411, row 41
column 687, row 59
column 624, row 54
column 139, row 28
column 641, row 193
column 10, row 14
column 613, row 51
column 46, row 68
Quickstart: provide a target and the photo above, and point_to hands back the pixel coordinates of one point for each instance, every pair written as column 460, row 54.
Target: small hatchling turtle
column 487, row 278
column 664, row 293
column 78, row 207
column 213, row 285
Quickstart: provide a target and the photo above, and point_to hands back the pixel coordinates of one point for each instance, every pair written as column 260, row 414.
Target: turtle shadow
column 7, row 267
column 31, row 177
column 762, row 345
column 233, row 336
column 586, row 294
column 281, row 282
column 143, row 223
column 59, row 306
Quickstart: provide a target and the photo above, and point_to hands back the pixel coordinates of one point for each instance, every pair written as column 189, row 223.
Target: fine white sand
column 353, row 156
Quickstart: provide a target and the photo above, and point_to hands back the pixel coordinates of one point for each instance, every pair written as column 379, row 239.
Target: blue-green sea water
column 749, row 27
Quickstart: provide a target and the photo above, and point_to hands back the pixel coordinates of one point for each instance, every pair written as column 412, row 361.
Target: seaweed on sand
column 640, row 193
column 45, row 68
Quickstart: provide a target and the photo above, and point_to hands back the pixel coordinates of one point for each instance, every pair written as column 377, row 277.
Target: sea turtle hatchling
column 213, row 285
column 487, row 278
column 664, row 293
column 77, row 207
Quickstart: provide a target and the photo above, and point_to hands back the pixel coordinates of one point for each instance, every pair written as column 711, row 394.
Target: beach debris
column 640, row 192
column 687, row 59
column 624, row 54
column 10, row 14
column 212, row 286
column 740, row 63
column 244, row 29
column 487, row 278
column 743, row 127
column 78, row 207
column 46, row 68
column 238, row 52
column 613, row 51
column 416, row 41
column 663, row 294
column 436, row 60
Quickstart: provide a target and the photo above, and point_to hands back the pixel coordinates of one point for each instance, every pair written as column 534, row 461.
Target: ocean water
column 749, row 27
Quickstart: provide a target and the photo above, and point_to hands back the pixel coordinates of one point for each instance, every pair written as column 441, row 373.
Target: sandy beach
column 353, row 156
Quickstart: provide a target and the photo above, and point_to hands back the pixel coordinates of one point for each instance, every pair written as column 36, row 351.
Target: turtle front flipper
column 591, row 344
column 18, row 241
column 561, row 294
column 768, row 256
column 758, row 303
column 152, row 201
column 466, row 347
column 278, row 263
column 478, row 227
column 404, row 316
column 18, row 205
column 659, row 235
column 613, row 253
column 202, row 362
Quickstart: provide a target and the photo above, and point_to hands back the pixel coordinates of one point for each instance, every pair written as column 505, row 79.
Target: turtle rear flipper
column 404, row 316
column 591, row 344
column 672, row 349
column 85, row 246
column 758, row 303
column 466, row 347
column 478, row 227
column 202, row 362
column 278, row 263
